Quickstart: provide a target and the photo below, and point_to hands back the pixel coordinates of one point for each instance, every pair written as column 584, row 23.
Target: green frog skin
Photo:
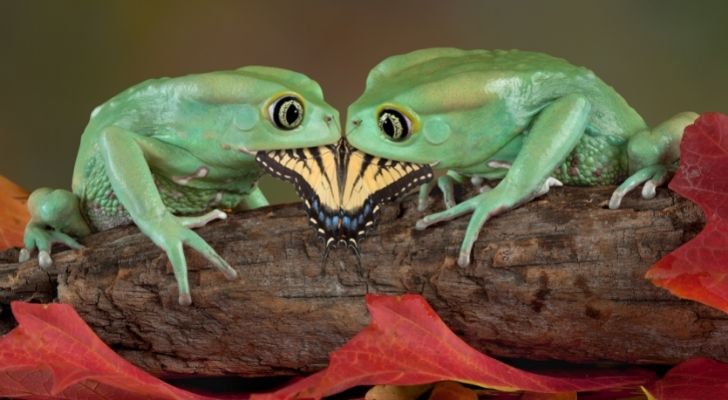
column 170, row 154
column 529, row 119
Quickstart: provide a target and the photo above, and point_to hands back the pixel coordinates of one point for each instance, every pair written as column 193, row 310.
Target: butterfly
column 343, row 188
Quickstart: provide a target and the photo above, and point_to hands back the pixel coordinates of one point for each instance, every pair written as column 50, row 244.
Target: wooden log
column 560, row 278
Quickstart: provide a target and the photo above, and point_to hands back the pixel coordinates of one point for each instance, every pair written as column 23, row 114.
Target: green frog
column 529, row 119
column 171, row 154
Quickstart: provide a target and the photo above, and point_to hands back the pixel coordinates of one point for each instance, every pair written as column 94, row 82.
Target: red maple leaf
column 698, row 270
column 406, row 343
column 699, row 378
column 13, row 214
column 54, row 354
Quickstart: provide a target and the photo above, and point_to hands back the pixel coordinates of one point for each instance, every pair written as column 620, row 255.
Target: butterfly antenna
column 354, row 246
column 327, row 250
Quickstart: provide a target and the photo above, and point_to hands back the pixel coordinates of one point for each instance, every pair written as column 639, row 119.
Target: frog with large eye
column 170, row 154
column 529, row 119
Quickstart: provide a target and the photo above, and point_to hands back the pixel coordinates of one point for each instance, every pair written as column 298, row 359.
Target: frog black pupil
column 291, row 113
column 388, row 126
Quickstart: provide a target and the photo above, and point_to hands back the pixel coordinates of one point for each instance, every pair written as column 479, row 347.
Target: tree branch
column 559, row 278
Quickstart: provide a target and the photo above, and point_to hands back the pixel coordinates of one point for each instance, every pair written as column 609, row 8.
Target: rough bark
column 560, row 278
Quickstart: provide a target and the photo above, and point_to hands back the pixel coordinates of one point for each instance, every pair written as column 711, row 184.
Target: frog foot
column 483, row 206
column 38, row 237
column 171, row 233
column 547, row 185
column 652, row 177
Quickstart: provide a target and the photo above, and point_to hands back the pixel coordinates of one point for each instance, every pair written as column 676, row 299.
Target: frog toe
column 464, row 259
column 24, row 255
column 44, row 259
column 423, row 196
column 185, row 299
column 650, row 177
column 202, row 220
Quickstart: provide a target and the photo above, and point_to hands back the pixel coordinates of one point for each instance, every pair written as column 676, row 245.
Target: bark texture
column 560, row 278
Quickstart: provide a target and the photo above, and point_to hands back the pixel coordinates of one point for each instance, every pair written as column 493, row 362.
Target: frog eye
column 394, row 124
column 287, row 113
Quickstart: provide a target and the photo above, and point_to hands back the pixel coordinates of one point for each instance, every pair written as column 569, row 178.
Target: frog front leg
column 651, row 155
column 554, row 134
column 123, row 154
column 446, row 183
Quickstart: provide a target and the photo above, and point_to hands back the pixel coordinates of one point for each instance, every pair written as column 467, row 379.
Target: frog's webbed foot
column 54, row 214
column 483, row 206
column 171, row 233
column 38, row 237
column 652, row 177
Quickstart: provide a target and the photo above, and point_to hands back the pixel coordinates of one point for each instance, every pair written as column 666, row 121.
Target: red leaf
column 698, row 270
column 54, row 354
column 699, row 378
column 408, row 344
column 13, row 214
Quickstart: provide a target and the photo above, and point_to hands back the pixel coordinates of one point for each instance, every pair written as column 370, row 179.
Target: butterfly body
column 343, row 188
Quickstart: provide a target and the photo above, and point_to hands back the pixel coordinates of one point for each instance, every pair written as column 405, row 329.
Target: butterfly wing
column 313, row 173
column 369, row 182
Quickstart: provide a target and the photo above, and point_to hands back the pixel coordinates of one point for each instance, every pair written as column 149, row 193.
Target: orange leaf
column 54, row 354
column 13, row 214
column 408, row 344
column 698, row 270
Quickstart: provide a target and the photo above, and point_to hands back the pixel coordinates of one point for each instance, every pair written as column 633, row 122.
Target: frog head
column 429, row 106
column 282, row 109
column 266, row 108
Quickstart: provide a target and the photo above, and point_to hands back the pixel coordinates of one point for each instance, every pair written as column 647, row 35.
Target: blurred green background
column 59, row 59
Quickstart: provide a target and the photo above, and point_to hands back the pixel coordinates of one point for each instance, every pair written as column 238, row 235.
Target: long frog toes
column 38, row 237
column 652, row 177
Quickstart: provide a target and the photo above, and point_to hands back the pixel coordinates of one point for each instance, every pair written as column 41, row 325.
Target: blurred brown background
column 59, row 59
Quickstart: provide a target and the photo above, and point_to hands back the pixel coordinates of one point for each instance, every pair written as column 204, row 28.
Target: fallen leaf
column 698, row 270
column 406, row 343
column 699, row 378
column 54, row 354
column 392, row 392
column 452, row 391
column 13, row 214
column 549, row 396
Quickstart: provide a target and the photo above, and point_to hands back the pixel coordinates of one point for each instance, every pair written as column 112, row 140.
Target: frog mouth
column 245, row 150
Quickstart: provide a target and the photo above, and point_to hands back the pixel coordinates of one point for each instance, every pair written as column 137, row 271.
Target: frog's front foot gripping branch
column 484, row 206
column 55, row 218
column 171, row 233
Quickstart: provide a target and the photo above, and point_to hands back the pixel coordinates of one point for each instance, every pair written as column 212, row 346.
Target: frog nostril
column 328, row 119
column 356, row 122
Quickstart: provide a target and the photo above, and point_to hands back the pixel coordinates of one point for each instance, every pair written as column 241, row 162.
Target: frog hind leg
column 555, row 133
column 652, row 155
column 55, row 216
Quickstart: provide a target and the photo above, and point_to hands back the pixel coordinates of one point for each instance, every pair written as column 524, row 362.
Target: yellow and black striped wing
column 369, row 182
column 312, row 171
